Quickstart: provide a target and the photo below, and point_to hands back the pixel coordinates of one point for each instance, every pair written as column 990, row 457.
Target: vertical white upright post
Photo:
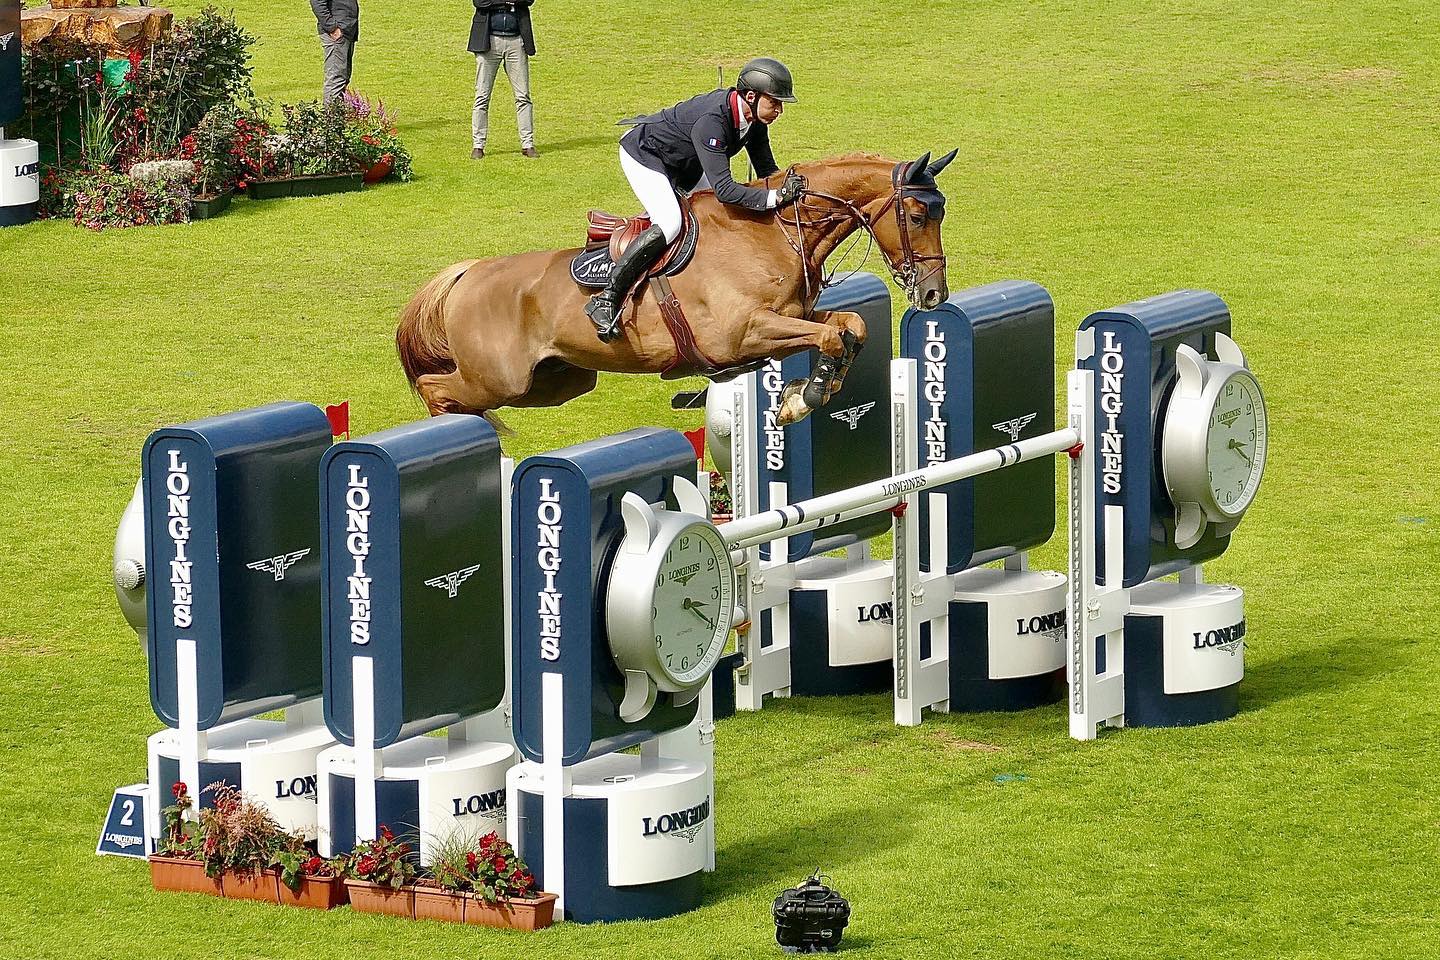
column 557, row 782
column 187, row 702
column 367, row 758
column 906, row 527
column 744, row 481
column 1096, row 610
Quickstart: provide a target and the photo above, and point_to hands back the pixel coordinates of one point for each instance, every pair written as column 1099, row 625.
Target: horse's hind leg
column 452, row 393
column 556, row 382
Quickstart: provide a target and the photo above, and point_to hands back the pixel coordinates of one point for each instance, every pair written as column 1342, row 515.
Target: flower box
column 316, row 893
column 204, row 208
column 516, row 913
column 181, row 875
column 262, row 885
column 367, row 897
column 305, row 186
column 437, row 903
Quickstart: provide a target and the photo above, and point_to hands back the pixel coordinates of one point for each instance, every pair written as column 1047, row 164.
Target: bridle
column 906, row 273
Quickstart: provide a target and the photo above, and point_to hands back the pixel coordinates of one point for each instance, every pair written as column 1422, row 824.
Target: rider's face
column 768, row 109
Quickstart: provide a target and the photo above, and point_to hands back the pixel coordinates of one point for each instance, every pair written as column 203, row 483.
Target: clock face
column 692, row 603
column 1236, row 443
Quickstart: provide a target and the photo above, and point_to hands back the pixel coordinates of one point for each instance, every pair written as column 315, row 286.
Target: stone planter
column 247, row 885
column 531, row 913
column 183, row 876
column 367, row 897
column 315, row 893
column 304, row 186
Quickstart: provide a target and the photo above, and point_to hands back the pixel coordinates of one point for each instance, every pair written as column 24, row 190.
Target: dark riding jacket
column 480, row 26
column 343, row 15
column 699, row 136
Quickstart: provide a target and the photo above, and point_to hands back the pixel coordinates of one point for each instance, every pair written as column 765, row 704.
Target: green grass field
column 1283, row 155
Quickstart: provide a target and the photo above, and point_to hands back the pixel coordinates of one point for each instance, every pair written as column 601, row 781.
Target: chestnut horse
column 512, row 331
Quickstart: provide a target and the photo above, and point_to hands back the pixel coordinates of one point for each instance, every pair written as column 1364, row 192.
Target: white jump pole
column 880, row 495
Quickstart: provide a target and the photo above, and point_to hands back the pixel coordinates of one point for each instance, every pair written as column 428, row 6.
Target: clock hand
column 694, row 607
column 1239, row 448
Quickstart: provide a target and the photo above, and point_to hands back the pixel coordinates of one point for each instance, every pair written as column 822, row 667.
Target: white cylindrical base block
column 19, row 181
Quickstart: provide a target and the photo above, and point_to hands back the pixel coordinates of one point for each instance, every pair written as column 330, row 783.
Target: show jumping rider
column 687, row 148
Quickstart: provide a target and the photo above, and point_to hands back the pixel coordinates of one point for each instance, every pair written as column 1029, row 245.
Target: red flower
column 471, row 861
column 385, row 832
column 178, row 789
column 365, row 866
column 489, row 840
column 313, row 865
column 499, row 864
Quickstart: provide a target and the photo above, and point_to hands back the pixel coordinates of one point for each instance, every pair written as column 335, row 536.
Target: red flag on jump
column 697, row 440
column 339, row 416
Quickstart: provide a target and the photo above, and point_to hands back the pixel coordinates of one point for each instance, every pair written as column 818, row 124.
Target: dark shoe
column 605, row 307
column 477, row 154
column 605, row 315
column 529, row 152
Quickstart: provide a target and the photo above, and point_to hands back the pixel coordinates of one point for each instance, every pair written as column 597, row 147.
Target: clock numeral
column 660, row 580
column 710, row 562
column 657, row 643
column 699, row 649
column 684, row 663
column 715, row 592
column 684, row 544
column 669, row 659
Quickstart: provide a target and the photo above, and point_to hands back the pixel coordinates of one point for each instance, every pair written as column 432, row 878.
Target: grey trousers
column 509, row 53
column 339, row 60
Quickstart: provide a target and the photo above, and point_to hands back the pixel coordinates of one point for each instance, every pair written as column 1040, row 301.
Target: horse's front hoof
column 793, row 407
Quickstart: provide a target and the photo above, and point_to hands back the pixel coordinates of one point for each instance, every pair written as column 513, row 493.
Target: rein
column 906, row 274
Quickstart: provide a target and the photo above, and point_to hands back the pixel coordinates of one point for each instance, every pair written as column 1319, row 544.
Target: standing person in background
column 500, row 36
column 338, row 22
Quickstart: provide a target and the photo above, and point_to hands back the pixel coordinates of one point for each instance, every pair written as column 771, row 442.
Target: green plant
column 107, row 199
column 371, row 133
column 385, row 861
column 297, row 861
column 237, row 834
column 314, row 141
column 97, row 142
column 487, row 866
column 177, row 834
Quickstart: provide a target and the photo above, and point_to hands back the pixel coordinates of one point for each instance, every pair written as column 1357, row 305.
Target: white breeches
column 656, row 194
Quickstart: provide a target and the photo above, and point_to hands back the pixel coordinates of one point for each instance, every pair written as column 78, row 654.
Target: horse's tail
column 420, row 336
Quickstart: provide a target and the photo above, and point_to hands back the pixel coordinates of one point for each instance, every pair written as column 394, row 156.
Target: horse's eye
column 918, row 219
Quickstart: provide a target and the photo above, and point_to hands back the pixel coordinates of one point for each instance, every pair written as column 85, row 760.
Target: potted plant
column 502, row 890
column 380, row 875
column 308, row 880
column 175, row 865
column 721, row 509
column 212, row 147
column 238, row 842
column 312, row 156
column 374, row 144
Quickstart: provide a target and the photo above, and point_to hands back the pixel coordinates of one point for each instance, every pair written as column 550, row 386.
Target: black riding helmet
column 768, row 76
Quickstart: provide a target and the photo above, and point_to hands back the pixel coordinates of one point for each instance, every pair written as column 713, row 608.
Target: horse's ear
column 935, row 168
column 916, row 173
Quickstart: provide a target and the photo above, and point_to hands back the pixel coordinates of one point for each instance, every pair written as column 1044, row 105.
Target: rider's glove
column 790, row 190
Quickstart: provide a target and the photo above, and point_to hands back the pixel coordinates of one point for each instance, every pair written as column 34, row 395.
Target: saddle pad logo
column 1013, row 427
column 852, row 415
column 278, row 565
column 450, row 582
column 592, row 268
column 5, row 40
column 715, row 143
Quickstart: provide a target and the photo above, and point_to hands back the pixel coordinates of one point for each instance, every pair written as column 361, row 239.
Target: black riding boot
column 605, row 307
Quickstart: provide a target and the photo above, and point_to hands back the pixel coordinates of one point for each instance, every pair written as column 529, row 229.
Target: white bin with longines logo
column 659, row 818
column 19, row 172
column 860, row 609
column 277, row 766
column 461, row 787
column 1204, row 632
column 1025, row 612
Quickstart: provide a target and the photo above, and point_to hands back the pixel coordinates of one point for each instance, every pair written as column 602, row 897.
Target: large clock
column 1214, row 442
column 669, row 602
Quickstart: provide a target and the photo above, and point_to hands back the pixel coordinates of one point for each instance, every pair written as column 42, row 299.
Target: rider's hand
column 790, row 190
column 336, row 34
